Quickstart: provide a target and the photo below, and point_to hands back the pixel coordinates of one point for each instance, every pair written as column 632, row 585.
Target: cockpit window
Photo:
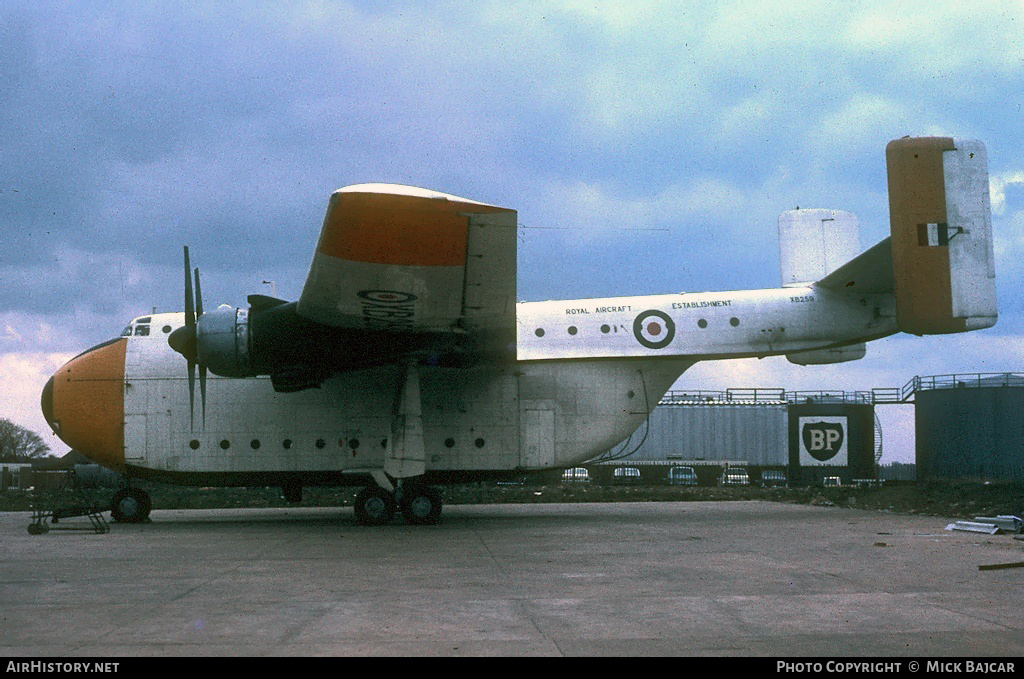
column 144, row 319
column 141, row 330
column 127, row 332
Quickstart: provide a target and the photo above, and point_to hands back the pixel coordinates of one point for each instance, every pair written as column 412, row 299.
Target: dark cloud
column 130, row 131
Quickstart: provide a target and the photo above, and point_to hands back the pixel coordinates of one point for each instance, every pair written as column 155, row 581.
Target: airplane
column 406, row 362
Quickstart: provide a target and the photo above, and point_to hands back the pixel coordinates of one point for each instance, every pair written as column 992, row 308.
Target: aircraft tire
column 375, row 506
column 130, row 505
column 421, row 505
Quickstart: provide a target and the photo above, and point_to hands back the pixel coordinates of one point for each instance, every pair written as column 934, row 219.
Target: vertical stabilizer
column 943, row 263
column 814, row 243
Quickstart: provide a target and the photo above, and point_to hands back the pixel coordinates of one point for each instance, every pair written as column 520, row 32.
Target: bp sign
column 823, row 441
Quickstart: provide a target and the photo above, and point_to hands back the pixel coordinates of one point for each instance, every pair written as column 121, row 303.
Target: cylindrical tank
column 754, row 433
column 969, row 429
column 831, row 439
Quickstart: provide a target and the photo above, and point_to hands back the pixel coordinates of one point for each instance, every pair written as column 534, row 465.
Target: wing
column 406, row 260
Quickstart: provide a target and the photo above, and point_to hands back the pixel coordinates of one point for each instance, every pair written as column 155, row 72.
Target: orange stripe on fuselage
column 386, row 228
column 88, row 402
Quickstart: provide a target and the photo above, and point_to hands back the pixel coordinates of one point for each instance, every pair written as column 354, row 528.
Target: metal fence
column 904, row 394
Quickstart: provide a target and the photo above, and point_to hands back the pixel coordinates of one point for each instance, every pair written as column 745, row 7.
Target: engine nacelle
column 223, row 342
column 272, row 339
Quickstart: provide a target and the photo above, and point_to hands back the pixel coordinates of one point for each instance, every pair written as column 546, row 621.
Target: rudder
column 943, row 262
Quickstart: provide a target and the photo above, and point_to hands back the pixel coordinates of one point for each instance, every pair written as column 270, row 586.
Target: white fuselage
column 702, row 325
column 586, row 375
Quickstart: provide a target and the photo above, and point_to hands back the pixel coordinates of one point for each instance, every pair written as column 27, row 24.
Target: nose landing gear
column 130, row 505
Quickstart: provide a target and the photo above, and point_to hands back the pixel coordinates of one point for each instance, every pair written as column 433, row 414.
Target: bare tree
column 18, row 444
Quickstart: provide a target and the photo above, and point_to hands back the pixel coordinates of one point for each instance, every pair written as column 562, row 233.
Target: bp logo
column 823, row 441
column 654, row 329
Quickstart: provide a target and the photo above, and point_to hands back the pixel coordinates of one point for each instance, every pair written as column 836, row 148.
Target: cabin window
column 606, row 329
column 287, row 444
column 320, row 443
column 193, row 444
column 572, row 330
column 225, row 444
column 166, row 329
column 734, row 321
column 539, row 332
column 353, row 444
column 479, row 443
column 255, row 444
column 449, row 443
column 702, row 323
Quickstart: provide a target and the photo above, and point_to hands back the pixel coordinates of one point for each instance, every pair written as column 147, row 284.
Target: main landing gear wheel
column 130, row 505
column 420, row 505
column 375, row 506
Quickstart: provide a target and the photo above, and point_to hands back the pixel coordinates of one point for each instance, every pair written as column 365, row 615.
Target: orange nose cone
column 87, row 403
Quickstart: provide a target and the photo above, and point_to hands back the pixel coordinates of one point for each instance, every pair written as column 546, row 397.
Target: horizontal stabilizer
column 870, row 272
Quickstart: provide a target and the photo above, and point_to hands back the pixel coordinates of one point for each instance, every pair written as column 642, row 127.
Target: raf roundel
column 654, row 329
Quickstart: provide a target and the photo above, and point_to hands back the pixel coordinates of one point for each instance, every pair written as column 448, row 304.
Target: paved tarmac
column 685, row 578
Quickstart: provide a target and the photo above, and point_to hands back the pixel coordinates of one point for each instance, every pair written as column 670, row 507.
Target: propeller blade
column 199, row 297
column 190, row 323
column 202, row 390
column 202, row 366
column 192, row 392
column 190, row 310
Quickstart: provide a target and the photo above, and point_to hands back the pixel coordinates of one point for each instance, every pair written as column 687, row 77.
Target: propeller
column 184, row 340
column 202, row 366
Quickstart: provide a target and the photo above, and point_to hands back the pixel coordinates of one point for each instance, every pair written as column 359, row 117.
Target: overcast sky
column 648, row 147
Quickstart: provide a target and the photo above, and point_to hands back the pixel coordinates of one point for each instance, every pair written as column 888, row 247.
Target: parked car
column 682, row 476
column 734, row 476
column 626, row 476
column 832, row 482
column 576, row 475
column 774, row 478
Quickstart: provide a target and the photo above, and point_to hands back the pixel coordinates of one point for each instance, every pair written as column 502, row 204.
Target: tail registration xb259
column 406, row 362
